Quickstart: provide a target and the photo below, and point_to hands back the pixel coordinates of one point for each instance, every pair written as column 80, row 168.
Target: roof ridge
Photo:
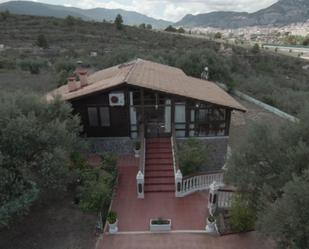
column 131, row 70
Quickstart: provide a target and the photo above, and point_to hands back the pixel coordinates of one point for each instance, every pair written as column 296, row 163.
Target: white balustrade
column 225, row 198
column 199, row 182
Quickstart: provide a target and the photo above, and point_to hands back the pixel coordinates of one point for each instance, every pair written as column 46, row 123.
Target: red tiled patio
column 187, row 213
column 183, row 241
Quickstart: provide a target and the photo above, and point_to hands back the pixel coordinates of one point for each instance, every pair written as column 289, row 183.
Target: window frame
column 99, row 116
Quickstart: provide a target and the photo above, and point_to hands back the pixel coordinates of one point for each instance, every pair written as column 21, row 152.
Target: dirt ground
column 241, row 121
column 58, row 225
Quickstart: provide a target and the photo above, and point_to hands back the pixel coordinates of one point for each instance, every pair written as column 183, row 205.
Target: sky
column 172, row 10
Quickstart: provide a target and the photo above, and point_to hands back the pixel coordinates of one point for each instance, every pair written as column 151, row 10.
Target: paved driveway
column 187, row 213
column 183, row 241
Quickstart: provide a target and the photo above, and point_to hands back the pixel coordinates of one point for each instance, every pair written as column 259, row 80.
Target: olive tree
column 287, row 219
column 36, row 140
column 270, row 169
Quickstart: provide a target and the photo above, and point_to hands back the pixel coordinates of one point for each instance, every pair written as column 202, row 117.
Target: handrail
column 174, row 150
column 203, row 173
column 143, row 149
column 199, row 182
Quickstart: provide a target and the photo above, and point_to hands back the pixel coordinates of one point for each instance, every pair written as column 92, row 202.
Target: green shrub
column 192, row 155
column 112, row 217
column 96, row 189
column 34, row 66
column 78, row 161
column 7, row 63
column 41, row 41
column 119, row 22
column 255, row 49
column 242, row 216
column 64, row 65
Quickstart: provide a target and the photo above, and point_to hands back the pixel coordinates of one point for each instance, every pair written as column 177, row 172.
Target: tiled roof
column 153, row 76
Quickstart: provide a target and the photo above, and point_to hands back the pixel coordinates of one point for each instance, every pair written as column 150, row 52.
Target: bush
column 112, row 217
column 242, row 216
column 97, row 184
column 96, row 193
column 5, row 15
column 255, row 49
column 34, row 66
column 109, row 162
column 42, row 41
column 36, row 138
column 170, row 28
column 7, row 63
column 119, row 22
column 192, row 155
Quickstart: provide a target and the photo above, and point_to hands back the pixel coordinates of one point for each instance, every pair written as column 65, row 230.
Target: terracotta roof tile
column 153, row 76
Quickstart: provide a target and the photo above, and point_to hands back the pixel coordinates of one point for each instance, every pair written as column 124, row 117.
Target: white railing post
column 178, row 183
column 140, row 184
column 213, row 197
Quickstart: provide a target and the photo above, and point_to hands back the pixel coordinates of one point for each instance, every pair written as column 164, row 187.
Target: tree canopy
column 270, row 169
column 119, row 22
column 36, row 140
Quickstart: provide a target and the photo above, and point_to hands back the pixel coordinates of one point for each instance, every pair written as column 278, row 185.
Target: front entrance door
column 155, row 122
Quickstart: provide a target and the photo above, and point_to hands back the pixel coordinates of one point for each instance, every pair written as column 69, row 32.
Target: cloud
column 172, row 10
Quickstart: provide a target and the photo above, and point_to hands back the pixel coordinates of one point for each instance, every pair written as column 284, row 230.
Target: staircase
column 159, row 172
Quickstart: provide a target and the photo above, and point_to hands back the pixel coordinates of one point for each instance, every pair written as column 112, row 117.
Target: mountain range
column 281, row 13
column 96, row 14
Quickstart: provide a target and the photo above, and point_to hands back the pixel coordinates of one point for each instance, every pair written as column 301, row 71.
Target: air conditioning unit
column 116, row 99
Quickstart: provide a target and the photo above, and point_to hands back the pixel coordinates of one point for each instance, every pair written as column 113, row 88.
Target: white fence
column 225, row 198
column 199, row 182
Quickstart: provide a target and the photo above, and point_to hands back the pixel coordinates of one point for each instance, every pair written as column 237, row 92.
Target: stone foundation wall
column 115, row 145
column 216, row 152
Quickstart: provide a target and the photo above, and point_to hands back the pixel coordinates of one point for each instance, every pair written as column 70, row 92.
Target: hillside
column 282, row 13
column 278, row 80
column 97, row 14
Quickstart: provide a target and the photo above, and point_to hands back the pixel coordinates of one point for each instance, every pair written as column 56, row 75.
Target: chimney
column 205, row 74
column 72, row 84
column 83, row 78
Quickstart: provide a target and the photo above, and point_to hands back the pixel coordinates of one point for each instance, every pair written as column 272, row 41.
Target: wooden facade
column 157, row 111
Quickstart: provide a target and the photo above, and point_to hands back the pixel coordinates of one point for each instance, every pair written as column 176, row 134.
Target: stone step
column 158, row 151
column 160, row 174
column 159, row 161
column 160, row 181
column 158, row 140
column 158, row 145
column 159, row 156
column 159, row 168
column 159, row 188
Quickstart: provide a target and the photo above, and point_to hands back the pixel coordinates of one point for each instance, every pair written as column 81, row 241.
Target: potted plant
column 137, row 149
column 112, row 222
column 160, row 224
column 211, row 224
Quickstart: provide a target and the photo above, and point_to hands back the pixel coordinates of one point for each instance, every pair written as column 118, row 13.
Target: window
column 104, row 116
column 99, row 116
column 180, row 119
column 93, row 116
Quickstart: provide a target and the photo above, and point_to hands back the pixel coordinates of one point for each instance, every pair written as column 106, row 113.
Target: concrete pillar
column 178, row 182
column 213, row 197
column 140, row 184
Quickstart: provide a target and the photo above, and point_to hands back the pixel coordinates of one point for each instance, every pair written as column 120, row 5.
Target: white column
column 140, row 185
column 178, row 181
column 213, row 197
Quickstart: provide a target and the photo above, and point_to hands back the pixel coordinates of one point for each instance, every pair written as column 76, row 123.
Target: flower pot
column 137, row 153
column 113, row 228
column 211, row 226
column 167, row 226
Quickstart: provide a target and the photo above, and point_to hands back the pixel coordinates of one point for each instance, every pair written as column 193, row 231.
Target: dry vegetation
column 278, row 80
